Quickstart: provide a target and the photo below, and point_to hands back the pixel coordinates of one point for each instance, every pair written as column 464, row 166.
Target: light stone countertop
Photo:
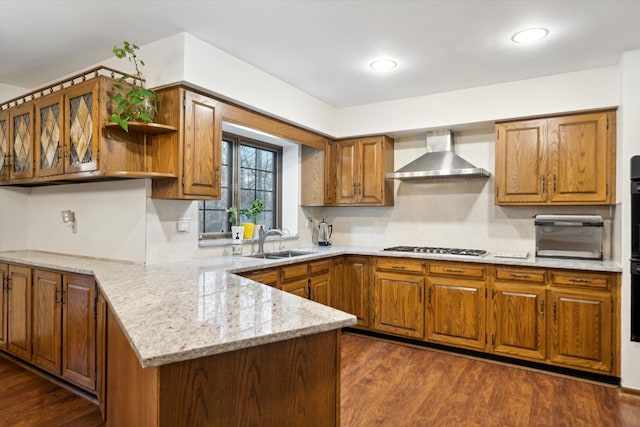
column 188, row 309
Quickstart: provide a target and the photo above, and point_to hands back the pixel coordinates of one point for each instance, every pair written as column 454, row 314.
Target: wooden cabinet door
column 580, row 330
column 578, row 158
column 49, row 135
column 21, row 126
column 4, row 275
column 347, row 171
column 521, row 162
column 79, row 331
column 354, row 288
column 299, row 287
column 398, row 307
column 456, row 312
column 5, row 151
column 330, row 157
column 19, row 312
column 81, row 127
column 202, row 146
column 518, row 324
column 371, row 180
column 47, row 320
column 320, row 288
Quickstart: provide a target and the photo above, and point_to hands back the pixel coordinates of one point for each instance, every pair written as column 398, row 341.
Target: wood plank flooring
column 384, row 384
column 390, row 384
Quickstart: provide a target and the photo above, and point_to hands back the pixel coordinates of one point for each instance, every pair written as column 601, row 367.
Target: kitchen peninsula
column 190, row 344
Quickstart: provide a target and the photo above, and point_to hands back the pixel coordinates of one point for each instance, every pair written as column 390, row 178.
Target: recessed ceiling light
column 383, row 64
column 530, row 35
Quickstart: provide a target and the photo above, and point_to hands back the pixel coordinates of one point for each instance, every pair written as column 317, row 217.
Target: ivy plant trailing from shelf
column 138, row 104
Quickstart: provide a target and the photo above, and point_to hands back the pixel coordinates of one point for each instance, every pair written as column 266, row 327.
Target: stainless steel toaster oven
column 569, row 236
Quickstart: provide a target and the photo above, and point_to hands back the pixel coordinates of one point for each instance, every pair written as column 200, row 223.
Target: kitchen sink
column 281, row 254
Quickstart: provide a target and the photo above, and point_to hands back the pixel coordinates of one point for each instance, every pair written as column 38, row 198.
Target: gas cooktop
column 432, row 250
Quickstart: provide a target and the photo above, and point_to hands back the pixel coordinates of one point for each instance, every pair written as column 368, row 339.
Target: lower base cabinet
column 19, row 281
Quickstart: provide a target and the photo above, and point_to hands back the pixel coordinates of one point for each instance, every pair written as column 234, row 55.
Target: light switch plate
column 183, row 224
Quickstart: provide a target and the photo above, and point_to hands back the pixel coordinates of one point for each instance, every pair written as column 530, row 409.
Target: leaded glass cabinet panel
column 4, row 145
column 82, row 126
column 21, row 136
column 48, row 135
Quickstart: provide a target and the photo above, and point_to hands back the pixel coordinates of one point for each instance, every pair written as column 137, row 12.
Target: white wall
column 14, row 206
column 628, row 146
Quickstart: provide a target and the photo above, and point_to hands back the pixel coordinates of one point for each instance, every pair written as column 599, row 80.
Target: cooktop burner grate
column 434, row 250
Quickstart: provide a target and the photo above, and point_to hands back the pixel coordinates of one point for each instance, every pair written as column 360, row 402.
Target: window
column 250, row 170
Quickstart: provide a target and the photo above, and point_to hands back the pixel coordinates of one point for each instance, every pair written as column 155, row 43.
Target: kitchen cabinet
column 518, row 313
column 361, row 166
column 4, row 275
column 352, row 289
column 63, row 133
column 21, row 141
column 5, row 150
column 564, row 160
column 269, row 277
column 47, row 321
column 19, row 311
column 199, row 141
column 397, row 300
column 320, row 281
column 456, row 304
column 79, row 331
column 319, row 177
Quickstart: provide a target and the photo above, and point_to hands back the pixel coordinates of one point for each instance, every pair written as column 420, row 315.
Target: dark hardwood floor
column 389, row 384
column 384, row 384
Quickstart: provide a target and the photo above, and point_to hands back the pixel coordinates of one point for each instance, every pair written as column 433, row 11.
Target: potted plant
column 137, row 104
column 237, row 230
column 251, row 213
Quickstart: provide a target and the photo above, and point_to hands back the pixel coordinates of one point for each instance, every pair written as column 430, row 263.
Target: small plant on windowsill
column 138, row 104
column 237, row 230
column 251, row 213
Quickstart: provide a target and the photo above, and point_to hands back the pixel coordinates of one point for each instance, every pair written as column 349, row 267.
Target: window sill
column 207, row 243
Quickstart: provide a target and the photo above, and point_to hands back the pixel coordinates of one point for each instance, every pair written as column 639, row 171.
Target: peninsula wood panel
column 47, row 320
column 19, row 312
column 243, row 387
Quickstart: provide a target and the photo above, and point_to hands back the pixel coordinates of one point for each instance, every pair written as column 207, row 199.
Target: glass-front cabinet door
column 4, row 145
column 82, row 120
column 21, row 136
column 49, row 135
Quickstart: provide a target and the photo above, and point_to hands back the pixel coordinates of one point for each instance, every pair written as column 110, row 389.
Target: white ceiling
column 324, row 47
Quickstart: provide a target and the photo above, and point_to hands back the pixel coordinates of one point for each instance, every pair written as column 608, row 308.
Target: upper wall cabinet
column 565, row 160
column 199, row 141
column 62, row 133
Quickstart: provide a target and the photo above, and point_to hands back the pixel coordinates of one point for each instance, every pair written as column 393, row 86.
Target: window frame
column 235, row 178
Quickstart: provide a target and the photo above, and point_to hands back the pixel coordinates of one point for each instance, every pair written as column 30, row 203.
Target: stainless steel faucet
column 262, row 236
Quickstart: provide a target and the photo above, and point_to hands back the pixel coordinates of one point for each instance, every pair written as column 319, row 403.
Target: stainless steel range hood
column 440, row 162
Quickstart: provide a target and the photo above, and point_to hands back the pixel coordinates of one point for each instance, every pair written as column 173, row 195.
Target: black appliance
column 635, row 248
column 440, row 251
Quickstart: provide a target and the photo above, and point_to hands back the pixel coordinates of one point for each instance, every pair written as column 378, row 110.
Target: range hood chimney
column 440, row 162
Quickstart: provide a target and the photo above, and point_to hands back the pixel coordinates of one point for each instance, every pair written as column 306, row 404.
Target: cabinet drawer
column 580, row 279
column 404, row 265
column 268, row 277
column 295, row 271
column 519, row 275
column 457, row 269
column 319, row 267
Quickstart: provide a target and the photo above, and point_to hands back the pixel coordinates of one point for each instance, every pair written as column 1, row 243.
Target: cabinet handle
column 542, row 184
column 398, row 267
column 555, row 313
column 554, row 184
column 355, row 189
column 429, row 296
column 420, row 295
column 61, row 296
column 454, row 270
column 7, row 286
column 542, row 308
column 217, row 175
column 579, row 280
column 521, row 275
column 360, row 188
